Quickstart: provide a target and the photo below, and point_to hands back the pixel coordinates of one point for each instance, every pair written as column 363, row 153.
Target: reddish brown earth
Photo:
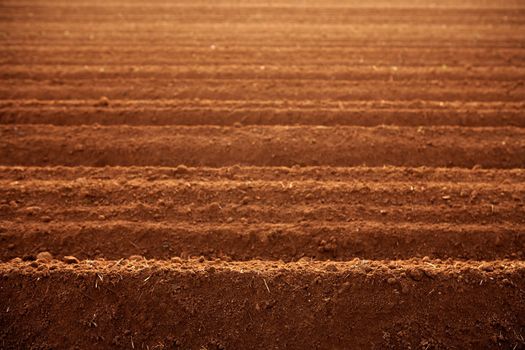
column 271, row 175
column 269, row 213
column 217, row 304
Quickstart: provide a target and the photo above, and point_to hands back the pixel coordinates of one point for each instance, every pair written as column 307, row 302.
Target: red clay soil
column 214, row 112
column 259, row 305
column 270, row 213
column 262, row 174
column 246, row 241
column 502, row 147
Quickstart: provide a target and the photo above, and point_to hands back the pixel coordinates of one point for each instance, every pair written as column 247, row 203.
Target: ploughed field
column 262, row 174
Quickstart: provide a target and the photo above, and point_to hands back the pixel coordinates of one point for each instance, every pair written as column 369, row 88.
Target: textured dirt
column 191, row 304
column 214, row 146
column 270, row 213
column 262, row 175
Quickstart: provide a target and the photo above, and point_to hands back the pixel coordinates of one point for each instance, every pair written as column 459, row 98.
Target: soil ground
column 262, row 175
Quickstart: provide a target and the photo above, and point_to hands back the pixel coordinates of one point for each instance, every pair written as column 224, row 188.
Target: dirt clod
column 102, row 102
column 33, row 210
column 487, row 267
column 416, row 274
column 69, row 259
column 44, row 256
column 331, row 268
column 181, row 170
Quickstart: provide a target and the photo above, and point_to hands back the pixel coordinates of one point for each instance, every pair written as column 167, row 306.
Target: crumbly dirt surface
column 215, row 146
column 262, row 174
column 269, row 213
column 216, row 304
